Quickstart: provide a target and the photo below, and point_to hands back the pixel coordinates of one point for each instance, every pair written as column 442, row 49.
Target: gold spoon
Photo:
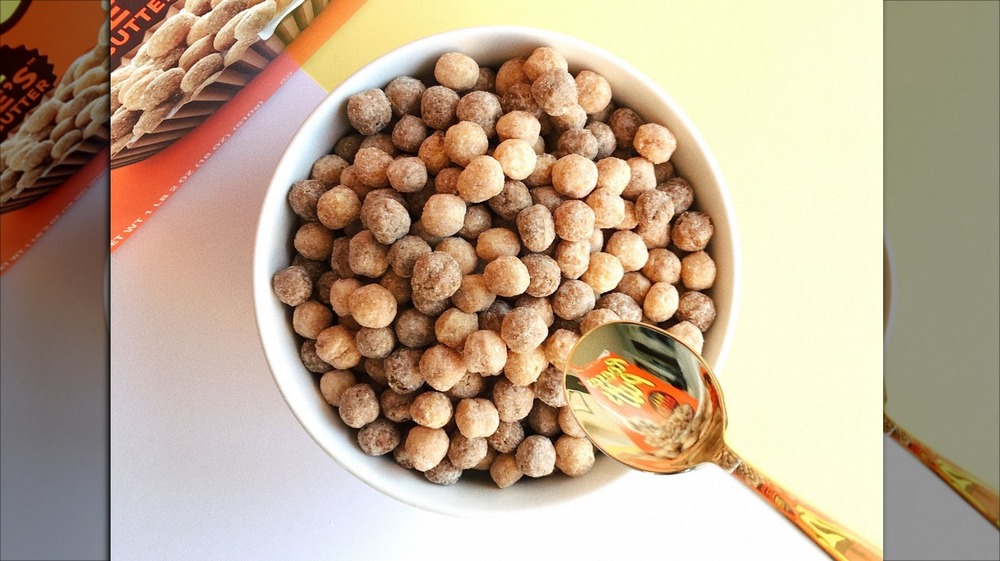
column 649, row 401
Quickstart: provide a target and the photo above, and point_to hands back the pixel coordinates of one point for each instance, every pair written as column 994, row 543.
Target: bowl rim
column 261, row 276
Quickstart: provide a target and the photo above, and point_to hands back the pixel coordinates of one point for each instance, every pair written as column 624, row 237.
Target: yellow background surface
column 789, row 97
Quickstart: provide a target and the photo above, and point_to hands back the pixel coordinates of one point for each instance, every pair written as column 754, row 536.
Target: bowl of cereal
column 441, row 230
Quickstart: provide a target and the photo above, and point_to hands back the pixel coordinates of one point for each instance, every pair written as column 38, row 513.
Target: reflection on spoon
column 649, row 401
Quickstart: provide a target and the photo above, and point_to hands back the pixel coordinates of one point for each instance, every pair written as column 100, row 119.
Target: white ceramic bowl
column 489, row 46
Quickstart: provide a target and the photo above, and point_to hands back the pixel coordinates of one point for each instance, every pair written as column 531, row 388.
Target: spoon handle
column 834, row 539
column 979, row 495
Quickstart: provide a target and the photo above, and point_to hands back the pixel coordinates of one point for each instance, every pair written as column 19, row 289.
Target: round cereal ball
column 574, row 118
column 541, row 60
column 347, row 147
column 466, row 453
column 471, row 385
column 554, row 91
column 436, row 275
column 604, row 272
column 431, row 409
column 408, row 134
column 622, row 305
column 661, row 302
column 414, row 329
column 313, row 268
column 404, row 93
column 473, row 295
column 510, row 201
column 340, row 262
column 541, row 306
column 574, row 176
column 654, row 209
column 403, row 254
column 426, row 447
column 629, row 248
column 517, row 158
column 371, row 166
column 311, row 317
column 407, row 174
column 510, row 72
column 574, row 220
column 462, row 251
column 373, row 306
column 457, row 71
column 558, row 347
column 613, row 174
column 635, row 285
column 680, row 192
column 437, row 107
column 574, row 455
column 303, row 197
column 692, row 231
column 542, row 176
column 506, row 276
column 379, row 437
column 485, row 352
column 697, row 308
column 504, row 471
column 549, row 387
column 520, row 125
column 480, row 107
column 443, row 215
column 396, row 406
column 642, row 177
column 336, row 346
column 662, row 265
column 573, row 258
column 608, row 207
column 292, row 285
column 381, row 141
column 464, row 141
column 312, row 362
column 536, row 456
column 446, row 180
column 547, row 197
column 398, row 286
column 492, row 317
column 523, row 329
column 375, row 343
column 578, row 141
column 358, row 405
column 430, row 306
column 340, row 294
column 689, row 334
column 543, row 419
column 366, row 256
column 369, row 111
column 481, row 179
column 524, row 368
column 314, row 241
column 596, row 318
column 402, row 370
column 432, row 152
column 387, row 219
column 375, row 368
column 328, row 169
column 513, row 402
column 333, row 383
column 698, row 271
column 477, row 221
column 624, row 123
column 605, row 139
column 507, row 436
column 441, row 367
column 593, row 91
column 454, row 326
column 537, row 227
column 569, row 424
column 476, row 417
column 543, row 273
column 573, row 300
column 338, row 207
column 654, row 142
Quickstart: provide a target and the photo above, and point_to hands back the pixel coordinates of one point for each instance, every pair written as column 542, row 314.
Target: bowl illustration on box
column 196, row 57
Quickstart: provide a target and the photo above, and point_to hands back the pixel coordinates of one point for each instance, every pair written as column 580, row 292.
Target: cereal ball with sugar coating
column 504, row 471
column 414, row 329
column 466, row 453
column 662, row 265
column 387, row 219
column 536, row 456
column 482, row 108
column 402, row 370
column 476, row 417
column 654, row 142
column 574, row 220
column 292, row 285
column 333, row 383
column 518, row 125
column 443, row 215
column 596, row 318
column 544, row 419
column 574, row 176
column 624, row 123
column 398, row 286
column 574, row 455
column 549, row 387
column 471, row 385
column 303, row 197
column 569, row 424
column 543, row 273
column 338, row 207
column 578, row 141
column 464, row 141
column 642, row 177
column 604, row 272
column 340, row 295
column 481, row 179
column 537, row 228
column 622, row 305
column 473, row 295
column 629, row 248
column 555, row 91
column 698, row 271
column 311, row 317
column 426, row 447
column 432, row 152
column 661, row 302
column 408, row 134
column 369, row 111
column 485, row 352
column 524, row 368
column 573, row 258
column 441, row 367
column 573, row 299
column 558, row 347
column 312, row 362
column 328, row 169
column 431, row 409
column 463, row 252
column 407, row 174
column 613, row 174
column 689, row 334
column 371, row 166
column 358, row 405
column 541, row 60
column 477, row 220
column 436, row 275
column 594, row 91
column 373, row 306
column 513, row 402
column 453, row 326
column 523, row 330
column 697, row 308
column 692, row 231
column 366, row 256
column 654, row 209
column 635, row 285
column 507, row 436
column 336, row 346
column 680, row 192
column 608, row 207
column 509, row 202
column 396, row 406
column 437, row 107
column 403, row 254
column 510, row 72
column 404, row 93
column 506, row 276
column 379, row 437
column 314, row 241
column 516, row 157
column 457, row 71
column 375, row 343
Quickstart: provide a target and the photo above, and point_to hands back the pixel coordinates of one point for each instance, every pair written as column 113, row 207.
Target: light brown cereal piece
column 542, row 175
column 328, row 169
column 371, row 166
column 485, row 352
column 574, row 118
column 336, row 346
column 541, row 306
column 555, row 91
column 536, row 456
column 414, row 329
column 476, row 418
column 463, row 252
column 698, row 271
column 537, row 228
column 426, row 447
column 692, row 231
column 543, row 273
column 403, row 254
column 473, row 295
column 654, row 142
column 541, row 60
column 431, row 409
column 396, row 406
column 511, row 200
column 292, row 285
column 314, row 241
column 574, row 455
column 504, row 471
column 604, row 272
column 477, row 220
column 366, row 256
column 387, row 219
column 524, row 368
column 443, row 215
column 446, row 180
column 569, row 424
column 642, row 177
column 496, row 242
column 697, row 308
column 523, row 329
column 574, row 176
column 689, row 334
column 310, row 318
column 622, row 305
column 466, row 453
column 402, row 370
column 340, row 295
column 573, row 300
column 506, row 276
column 487, row 461
column 492, row 317
column 629, row 248
column 574, row 220
column 510, row 72
column 471, row 385
column 369, row 111
column 454, row 326
column 543, row 419
column 549, row 388
column 358, row 405
column 558, row 347
column 375, row 343
column 347, row 147
column 436, row 275
column 457, row 71
column 513, row 402
column 404, row 94
column 507, row 436
column 375, row 368
column 573, row 258
column 373, row 306
column 441, row 367
column 662, row 265
column 407, row 174
column 517, row 158
column 398, row 286
column 661, row 302
column 464, row 141
column 521, row 125
column 624, row 123
column 481, row 179
column 379, row 437
column 596, row 318
column 437, row 107
column 594, row 91
column 333, row 383
column 409, row 133
column 613, row 174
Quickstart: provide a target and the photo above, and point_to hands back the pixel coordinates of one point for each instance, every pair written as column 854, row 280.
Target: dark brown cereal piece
column 486, row 81
column 621, row 304
column 436, row 275
column 624, row 123
column 477, row 220
column 409, row 133
column 347, row 147
column 375, row 368
column 606, row 143
column 437, row 107
column 511, row 200
column 507, row 437
column 536, row 456
column 313, row 268
column 697, row 308
column 414, row 329
column 387, row 219
column 292, row 285
column 445, row 473
column 402, row 370
column 339, row 257
column 692, row 231
column 358, row 405
column 549, row 388
column 680, row 191
column 578, row 141
column 537, row 228
column 328, row 169
column 573, row 299
column 379, row 437
column 430, row 306
column 554, row 91
column 574, row 118
column 482, row 108
column 396, row 406
column 333, row 383
column 543, row 419
column 303, row 197
column 404, row 252
column 369, row 111
column 312, row 362
column 466, row 453
column 404, row 93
